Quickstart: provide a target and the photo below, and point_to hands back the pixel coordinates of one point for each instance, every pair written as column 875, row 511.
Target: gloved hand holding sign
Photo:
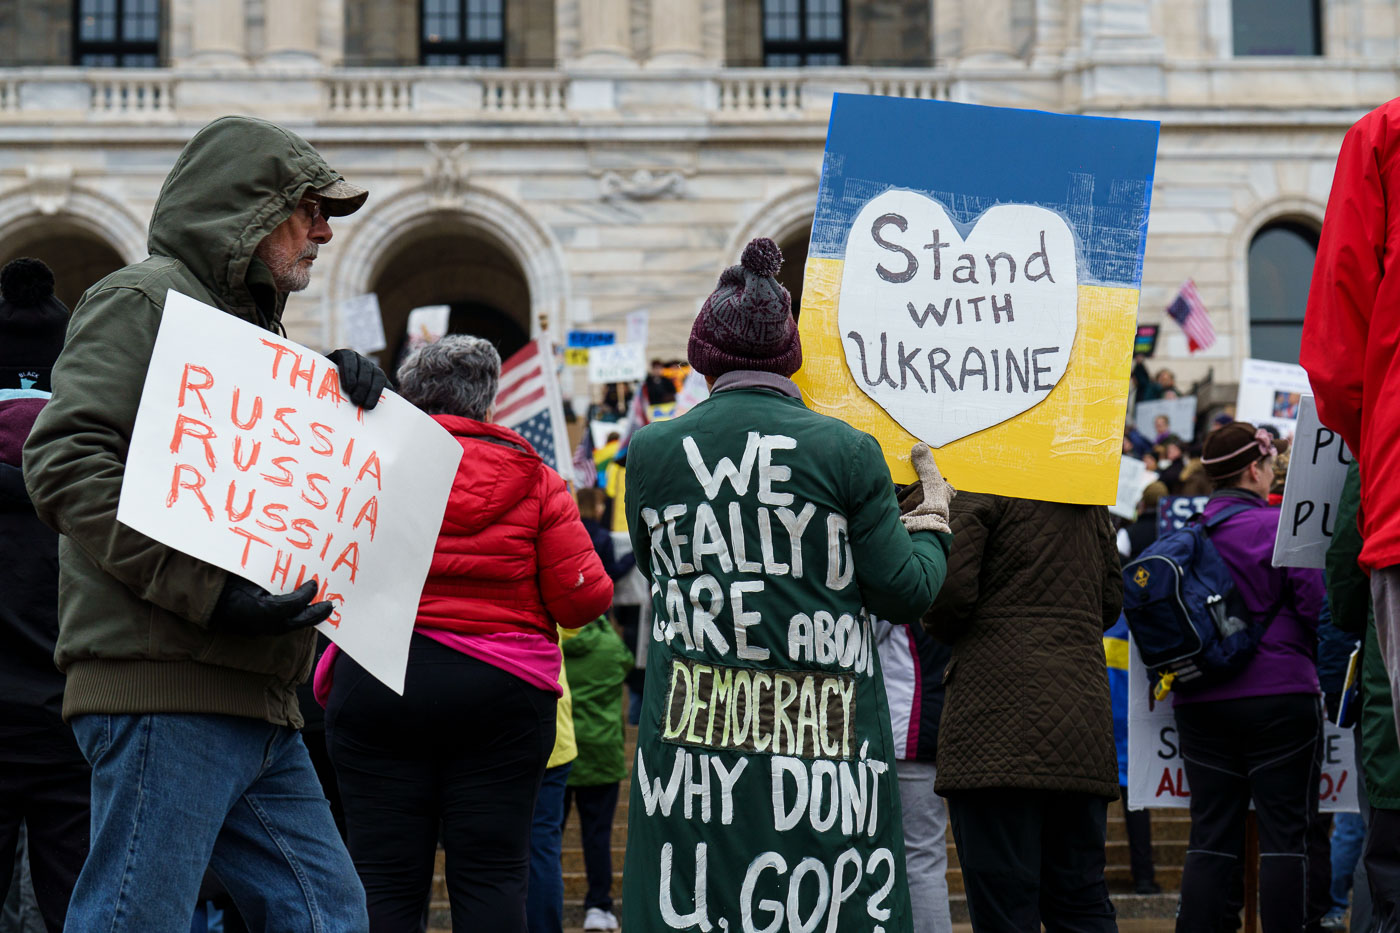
column 360, row 377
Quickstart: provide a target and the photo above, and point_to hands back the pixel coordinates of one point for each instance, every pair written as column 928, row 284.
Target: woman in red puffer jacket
column 466, row 744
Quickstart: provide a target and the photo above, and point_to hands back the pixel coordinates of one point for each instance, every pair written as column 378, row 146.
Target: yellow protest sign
column 982, row 301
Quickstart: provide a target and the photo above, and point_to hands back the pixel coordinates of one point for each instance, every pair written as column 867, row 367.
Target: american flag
column 529, row 403
column 1188, row 311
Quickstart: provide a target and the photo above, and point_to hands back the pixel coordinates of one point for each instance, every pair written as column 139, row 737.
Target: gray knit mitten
column 932, row 513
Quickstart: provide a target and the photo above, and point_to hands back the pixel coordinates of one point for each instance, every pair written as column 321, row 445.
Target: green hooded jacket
column 133, row 613
column 597, row 662
column 1349, row 590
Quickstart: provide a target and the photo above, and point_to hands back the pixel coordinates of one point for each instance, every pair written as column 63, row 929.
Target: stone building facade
column 625, row 150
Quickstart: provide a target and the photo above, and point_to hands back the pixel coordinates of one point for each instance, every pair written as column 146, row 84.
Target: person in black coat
column 44, row 781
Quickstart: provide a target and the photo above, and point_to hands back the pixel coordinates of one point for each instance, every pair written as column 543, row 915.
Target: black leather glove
column 247, row 609
column 360, row 377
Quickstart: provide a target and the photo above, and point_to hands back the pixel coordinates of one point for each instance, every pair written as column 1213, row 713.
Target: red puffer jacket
column 512, row 554
column 1351, row 334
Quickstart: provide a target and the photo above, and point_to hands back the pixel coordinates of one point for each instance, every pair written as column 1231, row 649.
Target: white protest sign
column 694, row 390
column 1180, row 414
column 1133, row 478
column 427, row 324
column 246, row 455
column 1271, row 393
column 618, row 362
column 361, row 325
column 1157, row 775
column 1317, row 468
column 637, row 324
column 988, row 334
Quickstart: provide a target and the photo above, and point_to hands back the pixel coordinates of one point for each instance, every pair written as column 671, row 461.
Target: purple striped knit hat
column 747, row 323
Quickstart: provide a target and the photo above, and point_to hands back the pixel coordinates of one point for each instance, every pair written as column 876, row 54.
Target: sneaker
column 1147, row 887
column 599, row 919
column 1335, row 919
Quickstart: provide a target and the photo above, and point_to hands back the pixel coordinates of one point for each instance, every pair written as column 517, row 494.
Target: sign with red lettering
column 245, row 454
column 1157, row 774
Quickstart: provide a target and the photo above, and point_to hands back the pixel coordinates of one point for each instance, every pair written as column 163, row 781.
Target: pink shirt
column 527, row 655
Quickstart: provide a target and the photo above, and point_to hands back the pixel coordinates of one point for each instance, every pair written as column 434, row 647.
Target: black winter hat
column 32, row 325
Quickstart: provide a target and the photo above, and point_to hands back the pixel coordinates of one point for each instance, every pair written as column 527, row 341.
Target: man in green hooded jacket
column 181, row 679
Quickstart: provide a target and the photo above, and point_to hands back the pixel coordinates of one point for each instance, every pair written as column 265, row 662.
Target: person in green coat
column 180, row 678
column 598, row 662
column 764, row 793
column 1349, row 592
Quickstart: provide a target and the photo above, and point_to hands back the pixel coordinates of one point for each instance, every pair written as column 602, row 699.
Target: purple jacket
column 1287, row 657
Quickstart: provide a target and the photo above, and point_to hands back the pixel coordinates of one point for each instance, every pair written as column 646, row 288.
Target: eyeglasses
column 311, row 210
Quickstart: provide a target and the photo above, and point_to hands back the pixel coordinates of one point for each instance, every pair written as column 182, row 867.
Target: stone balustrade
column 720, row 95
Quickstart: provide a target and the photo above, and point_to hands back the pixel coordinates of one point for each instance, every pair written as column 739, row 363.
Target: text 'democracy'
column 801, row 714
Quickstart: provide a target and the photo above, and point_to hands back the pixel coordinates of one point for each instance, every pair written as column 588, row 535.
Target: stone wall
column 36, row 32
column 890, row 33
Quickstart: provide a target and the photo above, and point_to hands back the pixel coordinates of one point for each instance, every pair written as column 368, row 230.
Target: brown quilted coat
column 1031, row 587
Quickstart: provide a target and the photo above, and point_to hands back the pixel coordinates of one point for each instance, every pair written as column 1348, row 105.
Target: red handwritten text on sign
column 300, row 495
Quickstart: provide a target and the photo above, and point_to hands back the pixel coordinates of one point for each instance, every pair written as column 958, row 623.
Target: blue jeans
column 1348, row 836
column 174, row 793
column 544, row 901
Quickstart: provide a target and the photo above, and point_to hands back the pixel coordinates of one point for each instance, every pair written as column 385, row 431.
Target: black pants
column 52, row 802
column 596, row 806
column 462, row 751
column 1032, row 857
column 1139, row 826
column 1382, row 858
column 1264, row 749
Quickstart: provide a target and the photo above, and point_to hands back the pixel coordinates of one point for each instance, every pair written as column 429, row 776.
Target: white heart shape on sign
column 951, row 335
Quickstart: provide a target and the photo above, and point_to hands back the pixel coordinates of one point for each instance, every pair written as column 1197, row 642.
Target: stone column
column 987, row 30
column 218, row 33
column 604, row 32
column 677, row 36
column 292, row 30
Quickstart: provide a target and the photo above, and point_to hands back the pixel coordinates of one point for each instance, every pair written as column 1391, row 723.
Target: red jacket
column 512, row 554
column 1351, row 333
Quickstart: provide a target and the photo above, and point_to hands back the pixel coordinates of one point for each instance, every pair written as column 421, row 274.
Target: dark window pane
column 440, row 60
column 1277, row 27
column 1280, row 271
column 823, row 59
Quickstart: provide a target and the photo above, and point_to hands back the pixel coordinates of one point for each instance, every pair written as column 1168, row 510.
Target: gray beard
column 288, row 275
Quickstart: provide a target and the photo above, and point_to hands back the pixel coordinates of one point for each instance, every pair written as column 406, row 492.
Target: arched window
column 1280, row 270
column 1277, row 27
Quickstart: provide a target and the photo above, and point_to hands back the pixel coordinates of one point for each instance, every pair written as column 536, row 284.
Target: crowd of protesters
column 164, row 761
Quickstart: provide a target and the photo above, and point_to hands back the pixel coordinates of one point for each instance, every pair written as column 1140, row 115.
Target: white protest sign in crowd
column 1271, row 393
column 1317, row 468
column 1157, row 775
column 1133, row 478
column 1180, row 413
column 362, row 325
column 958, row 334
column 246, row 455
column 618, row 362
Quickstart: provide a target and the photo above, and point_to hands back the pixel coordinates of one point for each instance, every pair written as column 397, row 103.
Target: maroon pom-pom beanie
column 746, row 323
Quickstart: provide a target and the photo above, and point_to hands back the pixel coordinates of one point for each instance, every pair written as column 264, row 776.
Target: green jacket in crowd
column 133, row 613
column 597, row 662
column 765, row 767
column 1349, row 592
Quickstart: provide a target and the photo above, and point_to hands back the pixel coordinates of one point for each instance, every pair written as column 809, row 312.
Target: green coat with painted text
column 764, row 781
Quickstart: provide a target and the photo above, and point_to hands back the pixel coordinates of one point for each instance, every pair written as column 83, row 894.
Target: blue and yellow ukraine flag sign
column 1096, row 173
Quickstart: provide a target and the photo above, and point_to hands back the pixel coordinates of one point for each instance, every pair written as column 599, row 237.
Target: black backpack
column 1190, row 624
